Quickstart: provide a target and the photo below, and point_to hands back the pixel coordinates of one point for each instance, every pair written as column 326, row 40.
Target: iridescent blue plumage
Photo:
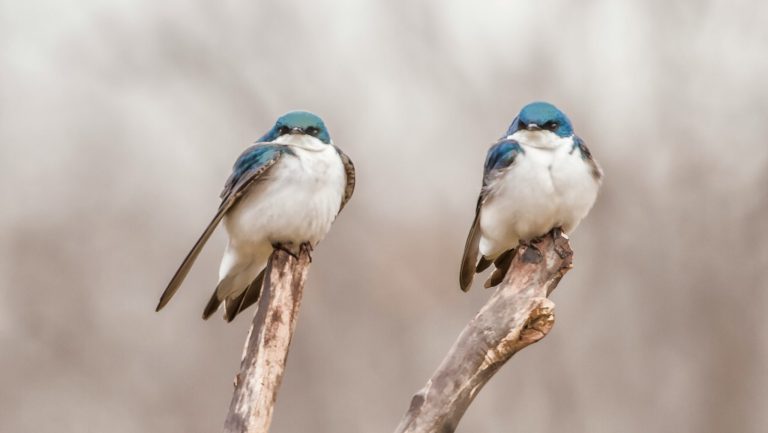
column 284, row 192
column 538, row 177
column 301, row 121
column 253, row 158
column 501, row 155
column 542, row 115
column 579, row 144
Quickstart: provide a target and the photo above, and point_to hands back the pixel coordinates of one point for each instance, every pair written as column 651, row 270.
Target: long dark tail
column 212, row 306
column 502, row 264
column 250, row 296
column 189, row 260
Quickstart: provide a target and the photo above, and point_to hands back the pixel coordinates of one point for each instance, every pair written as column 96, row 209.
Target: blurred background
column 119, row 122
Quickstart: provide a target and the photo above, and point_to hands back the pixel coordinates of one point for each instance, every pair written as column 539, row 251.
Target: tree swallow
column 538, row 177
column 284, row 191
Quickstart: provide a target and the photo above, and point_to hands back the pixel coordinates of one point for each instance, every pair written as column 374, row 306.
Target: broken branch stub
column 517, row 314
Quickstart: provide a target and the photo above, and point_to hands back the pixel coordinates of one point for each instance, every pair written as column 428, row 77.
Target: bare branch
column 517, row 315
column 266, row 348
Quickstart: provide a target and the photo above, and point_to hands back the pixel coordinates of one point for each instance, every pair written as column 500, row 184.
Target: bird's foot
column 560, row 239
column 531, row 253
column 528, row 243
column 287, row 247
column 556, row 232
column 293, row 251
column 306, row 247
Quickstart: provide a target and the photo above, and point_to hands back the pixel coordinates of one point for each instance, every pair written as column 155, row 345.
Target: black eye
column 312, row 130
column 551, row 125
column 282, row 130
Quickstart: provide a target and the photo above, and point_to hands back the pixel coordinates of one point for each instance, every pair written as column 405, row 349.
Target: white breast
column 547, row 186
column 297, row 202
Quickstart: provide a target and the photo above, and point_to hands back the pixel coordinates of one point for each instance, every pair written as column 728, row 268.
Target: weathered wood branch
column 517, row 314
column 266, row 348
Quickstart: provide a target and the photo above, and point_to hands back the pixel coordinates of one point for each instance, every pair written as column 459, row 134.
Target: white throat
column 541, row 139
column 302, row 141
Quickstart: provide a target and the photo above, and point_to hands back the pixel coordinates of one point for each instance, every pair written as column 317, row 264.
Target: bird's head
column 298, row 123
column 542, row 117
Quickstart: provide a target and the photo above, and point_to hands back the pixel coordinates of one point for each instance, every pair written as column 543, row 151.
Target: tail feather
column 469, row 262
column 189, row 260
column 482, row 264
column 222, row 288
column 502, row 264
column 212, row 306
column 250, row 296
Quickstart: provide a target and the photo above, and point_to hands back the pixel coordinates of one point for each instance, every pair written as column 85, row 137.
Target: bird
column 284, row 192
column 538, row 177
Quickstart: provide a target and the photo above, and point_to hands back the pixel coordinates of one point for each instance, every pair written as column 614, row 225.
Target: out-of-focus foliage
column 119, row 121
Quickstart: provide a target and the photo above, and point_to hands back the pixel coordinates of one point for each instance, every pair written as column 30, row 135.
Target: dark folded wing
column 471, row 251
column 500, row 156
column 586, row 155
column 349, row 170
column 251, row 167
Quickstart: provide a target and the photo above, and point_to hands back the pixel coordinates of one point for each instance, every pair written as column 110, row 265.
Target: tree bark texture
column 517, row 314
column 266, row 348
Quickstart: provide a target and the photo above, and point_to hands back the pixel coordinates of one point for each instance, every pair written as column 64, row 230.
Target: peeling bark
column 266, row 348
column 517, row 314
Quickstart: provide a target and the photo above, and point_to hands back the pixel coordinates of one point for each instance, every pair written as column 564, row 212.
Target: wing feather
column 250, row 167
column 500, row 156
column 349, row 170
column 586, row 155
column 471, row 251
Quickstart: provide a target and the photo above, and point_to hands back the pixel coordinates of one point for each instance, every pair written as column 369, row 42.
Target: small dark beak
column 533, row 127
column 296, row 131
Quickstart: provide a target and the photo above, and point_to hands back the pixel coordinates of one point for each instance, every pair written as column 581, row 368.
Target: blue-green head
column 298, row 122
column 542, row 116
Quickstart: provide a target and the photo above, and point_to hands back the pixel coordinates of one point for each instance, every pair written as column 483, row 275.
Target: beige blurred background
column 119, row 122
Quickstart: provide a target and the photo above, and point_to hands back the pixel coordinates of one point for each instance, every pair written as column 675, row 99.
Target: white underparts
column 295, row 203
column 548, row 185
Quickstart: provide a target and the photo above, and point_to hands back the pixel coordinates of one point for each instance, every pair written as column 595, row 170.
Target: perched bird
column 538, row 177
column 284, row 191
